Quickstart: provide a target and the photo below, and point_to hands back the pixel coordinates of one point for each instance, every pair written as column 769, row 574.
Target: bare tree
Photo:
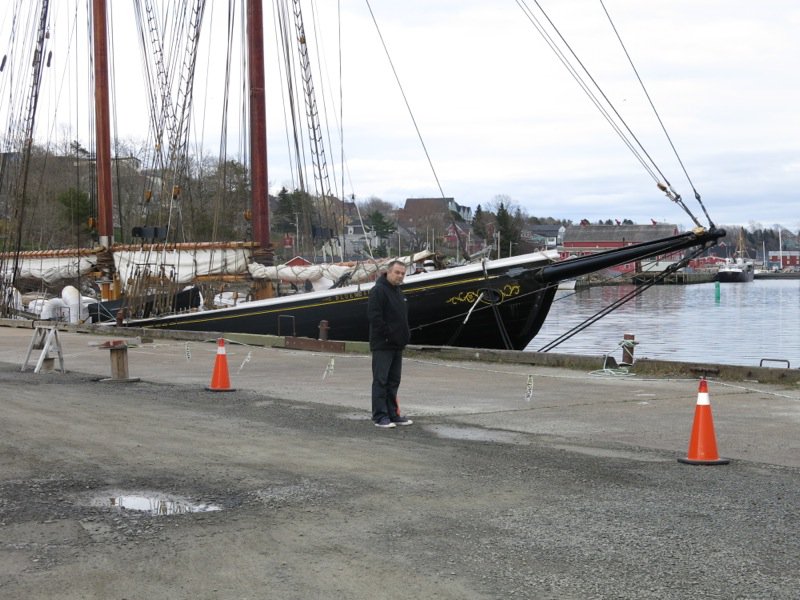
column 373, row 204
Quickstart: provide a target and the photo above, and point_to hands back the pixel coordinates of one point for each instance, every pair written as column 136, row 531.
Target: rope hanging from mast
column 319, row 220
column 27, row 129
column 287, row 50
column 456, row 230
column 165, row 70
column 313, row 125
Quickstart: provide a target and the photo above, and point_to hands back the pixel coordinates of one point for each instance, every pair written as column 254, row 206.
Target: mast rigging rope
column 616, row 121
column 658, row 116
column 405, row 98
column 637, row 291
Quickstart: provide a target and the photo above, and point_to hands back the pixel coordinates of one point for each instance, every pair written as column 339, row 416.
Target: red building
column 582, row 240
column 787, row 259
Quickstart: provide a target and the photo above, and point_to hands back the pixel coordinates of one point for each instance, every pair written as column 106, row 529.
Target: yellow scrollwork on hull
column 507, row 291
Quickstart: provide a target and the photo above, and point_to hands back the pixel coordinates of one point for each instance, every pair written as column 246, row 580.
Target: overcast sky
column 501, row 116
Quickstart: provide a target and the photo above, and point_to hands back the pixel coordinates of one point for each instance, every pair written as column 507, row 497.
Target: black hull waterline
column 182, row 301
column 497, row 304
column 736, row 277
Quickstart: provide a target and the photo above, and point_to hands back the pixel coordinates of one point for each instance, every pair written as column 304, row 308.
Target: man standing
column 388, row 335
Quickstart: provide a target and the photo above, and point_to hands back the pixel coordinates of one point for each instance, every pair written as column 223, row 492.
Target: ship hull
column 499, row 307
column 738, row 274
column 735, row 276
column 492, row 304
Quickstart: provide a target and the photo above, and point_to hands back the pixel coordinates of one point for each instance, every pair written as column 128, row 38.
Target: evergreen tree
column 283, row 218
column 479, row 223
column 76, row 209
column 508, row 227
column 381, row 225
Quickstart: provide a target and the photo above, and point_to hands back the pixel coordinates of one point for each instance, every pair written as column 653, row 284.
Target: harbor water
column 745, row 324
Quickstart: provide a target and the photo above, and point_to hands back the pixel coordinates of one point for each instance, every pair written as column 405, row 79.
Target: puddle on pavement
column 151, row 503
column 476, row 434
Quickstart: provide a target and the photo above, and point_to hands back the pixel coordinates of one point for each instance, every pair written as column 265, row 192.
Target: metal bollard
column 323, row 330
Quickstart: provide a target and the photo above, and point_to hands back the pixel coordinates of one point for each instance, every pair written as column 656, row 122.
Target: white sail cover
column 186, row 265
column 182, row 266
column 323, row 276
column 51, row 269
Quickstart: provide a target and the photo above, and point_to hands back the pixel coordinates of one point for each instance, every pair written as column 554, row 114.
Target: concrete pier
column 516, row 480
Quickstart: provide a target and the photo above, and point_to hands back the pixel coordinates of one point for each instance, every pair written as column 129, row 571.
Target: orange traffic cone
column 703, row 443
column 220, row 382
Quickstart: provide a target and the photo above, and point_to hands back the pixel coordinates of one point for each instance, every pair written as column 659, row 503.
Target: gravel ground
column 315, row 502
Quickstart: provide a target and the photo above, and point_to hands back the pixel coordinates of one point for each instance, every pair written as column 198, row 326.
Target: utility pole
column 296, row 234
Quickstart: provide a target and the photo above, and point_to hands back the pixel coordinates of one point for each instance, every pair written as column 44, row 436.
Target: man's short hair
column 395, row 262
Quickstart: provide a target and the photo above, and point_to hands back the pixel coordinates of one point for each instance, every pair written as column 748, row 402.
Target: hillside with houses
column 213, row 206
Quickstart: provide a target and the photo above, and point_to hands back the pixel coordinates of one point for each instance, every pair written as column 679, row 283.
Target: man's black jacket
column 388, row 317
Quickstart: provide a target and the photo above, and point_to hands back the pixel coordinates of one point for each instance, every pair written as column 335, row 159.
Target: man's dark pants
column 386, row 370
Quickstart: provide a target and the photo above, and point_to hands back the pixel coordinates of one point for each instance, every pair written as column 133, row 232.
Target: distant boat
column 736, row 270
column 739, row 269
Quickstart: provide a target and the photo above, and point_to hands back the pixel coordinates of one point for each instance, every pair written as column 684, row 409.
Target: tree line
column 210, row 201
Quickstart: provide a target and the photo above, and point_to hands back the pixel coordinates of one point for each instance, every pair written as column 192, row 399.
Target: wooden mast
column 258, row 141
column 105, row 223
column 258, row 124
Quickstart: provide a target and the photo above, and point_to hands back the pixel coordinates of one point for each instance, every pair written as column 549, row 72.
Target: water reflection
column 749, row 322
column 153, row 504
